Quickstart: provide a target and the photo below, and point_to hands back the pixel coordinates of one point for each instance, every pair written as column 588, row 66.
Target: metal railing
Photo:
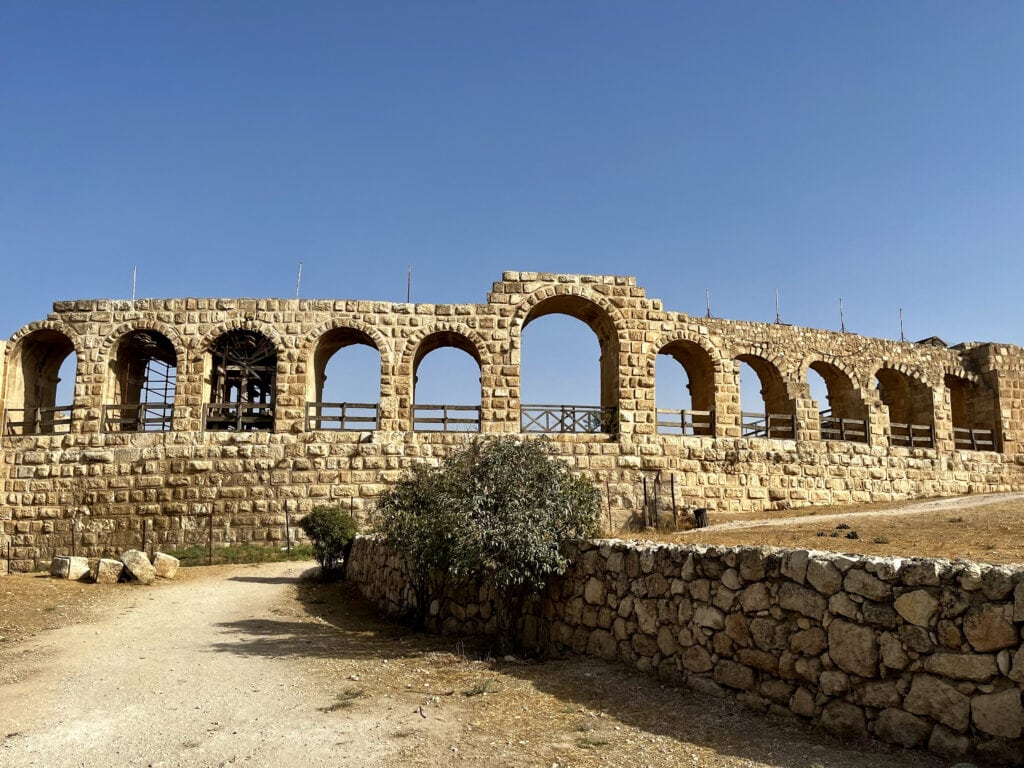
column 836, row 428
column 776, row 426
column 974, row 439
column 912, row 435
column 138, row 417
column 569, row 418
column 353, row 417
column 686, row 423
column 55, row 420
column 238, row 417
column 445, row 418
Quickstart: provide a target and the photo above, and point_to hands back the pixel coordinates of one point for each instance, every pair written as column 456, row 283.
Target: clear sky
column 872, row 151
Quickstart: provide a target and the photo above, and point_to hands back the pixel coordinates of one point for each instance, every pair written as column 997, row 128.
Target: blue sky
column 872, row 151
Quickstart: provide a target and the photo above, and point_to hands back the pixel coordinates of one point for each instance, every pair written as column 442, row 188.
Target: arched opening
column 40, row 384
column 243, row 379
column 841, row 412
column 762, row 390
column 685, row 390
column 974, row 415
column 911, row 415
column 446, row 384
column 557, row 369
column 344, row 385
column 141, row 381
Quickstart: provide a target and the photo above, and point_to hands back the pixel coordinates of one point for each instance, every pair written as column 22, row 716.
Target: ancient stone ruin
column 204, row 418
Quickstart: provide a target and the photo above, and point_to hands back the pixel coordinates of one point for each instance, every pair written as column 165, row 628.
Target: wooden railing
column 446, row 418
column 357, row 417
column 686, row 423
column 835, row 428
column 138, row 417
column 776, row 426
column 238, row 417
column 55, row 420
column 912, row 435
column 568, row 418
column 974, row 439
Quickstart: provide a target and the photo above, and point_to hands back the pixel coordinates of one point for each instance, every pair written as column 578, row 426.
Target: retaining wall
column 918, row 652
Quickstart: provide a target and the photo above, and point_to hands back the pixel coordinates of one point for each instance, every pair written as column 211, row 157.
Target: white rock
column 71, row 568
column 165, row 565
column 138, row 566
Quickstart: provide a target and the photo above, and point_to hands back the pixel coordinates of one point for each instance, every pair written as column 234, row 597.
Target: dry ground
column 250, row 665
column 986, row 528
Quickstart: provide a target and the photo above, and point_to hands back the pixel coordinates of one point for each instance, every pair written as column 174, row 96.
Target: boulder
column 999, row 714
column 844, row 720
column 853, row 647
column 917, row 607
column 165, row 565
column 71, row 568
column 987, row 628
column 939, row 701
column 899, row 727
column 107, row 571
column 962, row 666
column 138, row 567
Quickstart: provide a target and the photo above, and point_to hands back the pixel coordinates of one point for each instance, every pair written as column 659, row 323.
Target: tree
column 499, row 513
column 331, row 530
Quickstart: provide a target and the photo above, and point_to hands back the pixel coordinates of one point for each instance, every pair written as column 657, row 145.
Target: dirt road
column 244, row 665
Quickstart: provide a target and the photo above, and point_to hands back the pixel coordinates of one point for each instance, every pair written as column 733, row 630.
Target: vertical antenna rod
column 778, row 317
column 707, row 300
column 902, row 337
column 298, row 280
column 408, row 285
column 842, row 317
column 135, row 269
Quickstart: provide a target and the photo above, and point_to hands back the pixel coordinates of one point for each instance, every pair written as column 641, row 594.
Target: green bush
column 331, row 529
column 498, row 513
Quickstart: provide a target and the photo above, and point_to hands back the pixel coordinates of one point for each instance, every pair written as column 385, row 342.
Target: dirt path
column 956, row 503
column 245, row 665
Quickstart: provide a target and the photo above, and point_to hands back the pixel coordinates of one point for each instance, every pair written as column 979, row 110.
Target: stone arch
column 779, row 416
column 318, row 346
column 592, row 309
column 241, row 374
column 281, row 344
column 844, row 416
column 140, row 363
column 974, row 410
column 35, row 355
column 702, row 364
column 908, row 398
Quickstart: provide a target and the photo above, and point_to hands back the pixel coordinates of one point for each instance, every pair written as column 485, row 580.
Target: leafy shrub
column 331, row 529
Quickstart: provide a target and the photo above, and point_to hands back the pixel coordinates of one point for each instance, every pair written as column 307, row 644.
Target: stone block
column 853, row 647
column 138, row 567
column 166, row 566
column 942, row 702
column 107, row 571
column 71, row 568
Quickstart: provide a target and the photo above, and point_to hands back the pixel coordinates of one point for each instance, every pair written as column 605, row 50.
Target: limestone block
column 733, row 675
column 844, row 720
column 999, row 714
column 794, row 565
column 594, row 591
column 917, row 607
column 930, row 696
column 824, row 576
column 71, row 568
column 853, row 647
column 762, row 660
column 756, row 597
column 137, row 565
column 987, row 629
column 803, row 703
column 921, row 573
column 602, row 644
column 879, row 694
column 962, row 666
column 948, row 743
column 862, row 583
column 107, row 571
column 709, row 616
column 793, row 597
column 834, row 683
column 898, row 727
column 166, row 566
column 810, row 642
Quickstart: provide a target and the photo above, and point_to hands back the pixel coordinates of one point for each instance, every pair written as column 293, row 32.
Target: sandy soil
column 248, row 665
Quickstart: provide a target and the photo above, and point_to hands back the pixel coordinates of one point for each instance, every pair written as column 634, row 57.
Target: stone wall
column 94, row 489
column 916, row 652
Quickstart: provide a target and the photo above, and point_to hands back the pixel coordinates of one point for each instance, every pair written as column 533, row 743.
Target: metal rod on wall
column 298, row 281
column 408, row 285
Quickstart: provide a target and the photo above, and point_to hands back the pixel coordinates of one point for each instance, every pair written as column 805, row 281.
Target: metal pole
column 8, row 558
column 778, row 317
column 675, row 512
column 902, row 337
column 134, row 274
column 842, row 317
column 73, row 543
column 209, row 546
column 287, row 531
column 707, row 301
column 298, row 281
column 646, row 510
column 608, row 495
column 408, row 285
column 144, row 522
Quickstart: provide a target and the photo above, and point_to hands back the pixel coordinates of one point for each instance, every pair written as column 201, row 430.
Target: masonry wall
column 96, row 491
column 917, row 652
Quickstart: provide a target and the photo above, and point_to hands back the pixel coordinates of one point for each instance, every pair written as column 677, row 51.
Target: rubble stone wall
column 97, row 491
column 917, row 652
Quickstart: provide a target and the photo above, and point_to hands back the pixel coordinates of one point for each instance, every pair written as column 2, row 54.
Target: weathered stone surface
column 999, row 714
column 824, row 576
column 879, row 694
column 769, row 634
column 899, row 727
column 107, row 571
column 709, row 616
column 762, row 660
column 853, row 647
column 71, row 568
column 602, row 644
column 917, row 607
column 138, row 567
column 893, row 655
column 809, row 642
column 844, row 720
column 948, row 743
column 646, row 616
column 921, row 573
column 987, row 629
column 697, row 659
column 733, row 675
column 962, row 666
column 803, row 703
column 793, row 597
column 794, row 565
column 594, row 591
column 930, row 696
column 166, row 566
column 755, row 598
column 862, row 583
column 833, row 682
